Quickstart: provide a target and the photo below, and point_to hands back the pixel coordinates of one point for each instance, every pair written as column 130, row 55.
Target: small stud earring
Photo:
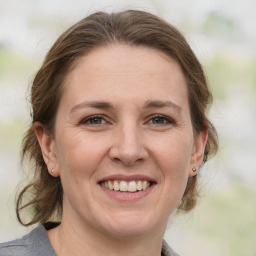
column 194, row 169
column 52, row 171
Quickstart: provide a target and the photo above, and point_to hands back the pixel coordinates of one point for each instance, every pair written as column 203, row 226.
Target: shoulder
column 167, row 250
column 35, row 243
column 16, row 247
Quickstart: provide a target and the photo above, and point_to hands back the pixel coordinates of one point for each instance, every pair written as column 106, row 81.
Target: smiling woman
column 119, row 131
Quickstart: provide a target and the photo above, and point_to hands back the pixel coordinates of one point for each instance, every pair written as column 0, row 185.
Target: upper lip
column 127, row 178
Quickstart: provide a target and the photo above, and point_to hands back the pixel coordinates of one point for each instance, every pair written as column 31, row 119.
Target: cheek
column 174, row 163
column 79, row 155
column 174, row 155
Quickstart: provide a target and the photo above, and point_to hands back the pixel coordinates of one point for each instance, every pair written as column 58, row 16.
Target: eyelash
column 90, row 118
column 167, row 120
column 164, row 118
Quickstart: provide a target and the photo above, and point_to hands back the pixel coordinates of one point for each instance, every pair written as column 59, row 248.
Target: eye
column 160, row 120
column 94, row 120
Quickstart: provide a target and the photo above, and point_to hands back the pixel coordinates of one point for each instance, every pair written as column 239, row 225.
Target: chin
column 131, row 224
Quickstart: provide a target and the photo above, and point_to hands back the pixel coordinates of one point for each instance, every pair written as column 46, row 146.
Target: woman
column 118, row 134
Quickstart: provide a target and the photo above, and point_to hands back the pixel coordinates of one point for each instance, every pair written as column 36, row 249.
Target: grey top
column 36, row 243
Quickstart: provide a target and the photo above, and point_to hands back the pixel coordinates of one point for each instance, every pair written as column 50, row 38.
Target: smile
column 126, row 186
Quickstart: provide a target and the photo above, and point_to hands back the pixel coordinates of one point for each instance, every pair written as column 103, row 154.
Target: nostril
column 127, row 161
column 128, row 150
column 116, row 159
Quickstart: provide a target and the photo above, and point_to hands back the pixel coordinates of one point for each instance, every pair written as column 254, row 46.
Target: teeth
column 144, row 184
column 139, row 185
column 110, row 185
column 130, row 186
column 116, row 186
column 123, row 186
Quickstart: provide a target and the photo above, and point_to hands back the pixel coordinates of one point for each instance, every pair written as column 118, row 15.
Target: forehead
column 122, row 72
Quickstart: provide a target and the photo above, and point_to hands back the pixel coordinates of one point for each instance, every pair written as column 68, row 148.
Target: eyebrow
column 92, row 104
column 107, row 105
column 162, row 104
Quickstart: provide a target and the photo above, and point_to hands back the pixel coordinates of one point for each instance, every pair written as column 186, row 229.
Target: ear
column 198, row 151
column 48, row 149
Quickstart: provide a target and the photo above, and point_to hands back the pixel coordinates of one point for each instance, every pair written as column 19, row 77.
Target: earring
column 52, row 171
column 194, row 169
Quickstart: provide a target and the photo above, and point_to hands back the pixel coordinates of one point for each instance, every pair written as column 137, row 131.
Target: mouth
column 131, row 186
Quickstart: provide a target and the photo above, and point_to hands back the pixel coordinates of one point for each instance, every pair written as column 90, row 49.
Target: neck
column 68, row 238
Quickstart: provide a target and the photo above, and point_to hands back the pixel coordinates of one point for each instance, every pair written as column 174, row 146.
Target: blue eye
column 161, row 120
column 94, row 120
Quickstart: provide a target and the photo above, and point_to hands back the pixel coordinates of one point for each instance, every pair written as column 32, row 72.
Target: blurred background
column 223, row 35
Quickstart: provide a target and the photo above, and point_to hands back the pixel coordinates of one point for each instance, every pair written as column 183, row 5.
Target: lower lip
column 127, row 196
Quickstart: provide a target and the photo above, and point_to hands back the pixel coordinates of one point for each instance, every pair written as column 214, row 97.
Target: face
column 124, row 145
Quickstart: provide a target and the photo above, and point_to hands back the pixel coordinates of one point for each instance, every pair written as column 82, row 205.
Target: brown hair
column 135, row 28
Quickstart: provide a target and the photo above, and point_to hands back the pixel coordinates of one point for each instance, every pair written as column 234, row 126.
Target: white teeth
column 116, row 185
column 130, row 186
column 110, row 185
column 144, row 184
column 139, row 185
column 123, row 186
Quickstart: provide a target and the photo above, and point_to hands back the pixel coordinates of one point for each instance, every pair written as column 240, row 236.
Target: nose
column 128, row 147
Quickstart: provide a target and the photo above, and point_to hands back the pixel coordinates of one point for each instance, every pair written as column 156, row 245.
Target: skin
column 124, row 137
